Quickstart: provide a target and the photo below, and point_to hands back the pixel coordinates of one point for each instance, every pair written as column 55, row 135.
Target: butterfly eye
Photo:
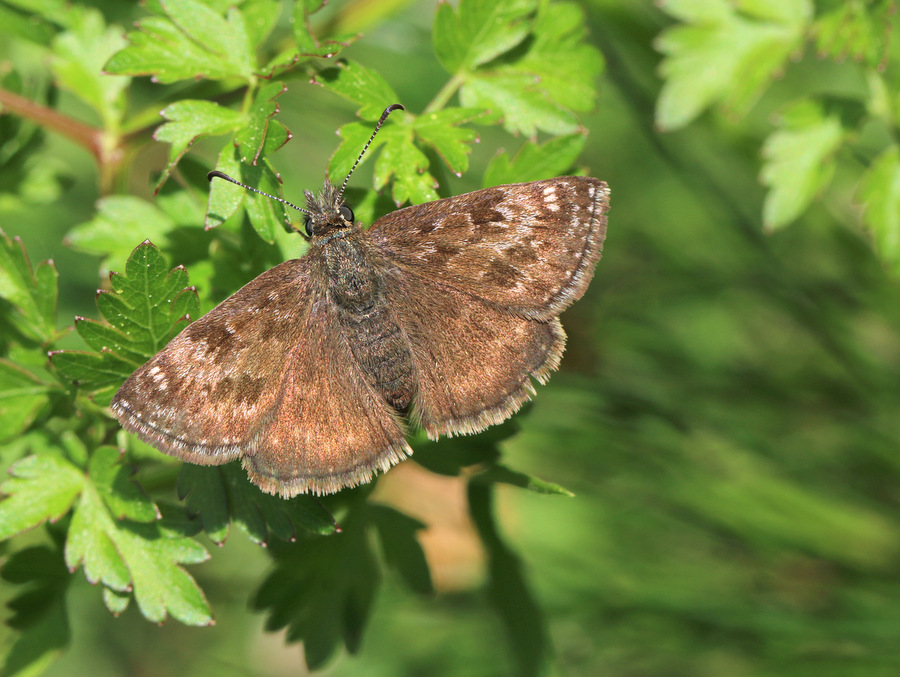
column 347, row 213
column 307, row 226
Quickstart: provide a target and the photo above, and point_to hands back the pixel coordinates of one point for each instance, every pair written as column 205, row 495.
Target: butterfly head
column 326, row 212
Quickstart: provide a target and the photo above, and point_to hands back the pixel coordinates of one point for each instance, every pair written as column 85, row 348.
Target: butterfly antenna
column 222, row 175
column 384, row 116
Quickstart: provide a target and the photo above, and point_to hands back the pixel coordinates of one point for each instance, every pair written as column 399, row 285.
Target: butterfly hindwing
column 473, row 362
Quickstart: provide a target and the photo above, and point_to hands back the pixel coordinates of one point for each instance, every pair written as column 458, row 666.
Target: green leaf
column 565, row 63
column 398, row 534
column 720, row 54
column 399, row 158
column 798, row 161
column 43, row 570
column 27, row 27
column 441, row 131
column 224, row 37
column 519, row 99
column 251, row 138
column 860, row 31
column 192, row 41
column 59, row 12
column 188, row 120
column 353, row 139
column 79, row 54
column 477, row 32
column 156, row 297
column 222, row 495
column 267, row 216
column 32, row 295
column 42, row 488
column 879, row 192
column 532, row 69
column 91, row 371
column 307, row 43
column 363, row 86
column 225, row 198
column 119, row 222
column 130, row 556
column 322, row 590
column 452, row 455
column 260, row 18
column 123, row 497
column 147, row 307
column 23, row 397
column 39, row 611
column 115, row 601
column 407, row 164
column 507, row 589
column 500, row 474
column 535, row 161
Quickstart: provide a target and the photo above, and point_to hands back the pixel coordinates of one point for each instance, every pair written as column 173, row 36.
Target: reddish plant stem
column 84, row 135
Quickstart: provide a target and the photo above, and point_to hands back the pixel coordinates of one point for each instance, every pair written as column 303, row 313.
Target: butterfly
column 440, row 315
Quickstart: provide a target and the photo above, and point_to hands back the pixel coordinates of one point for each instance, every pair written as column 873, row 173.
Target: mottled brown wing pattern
column 530, row 247
column 281, row 393
column 330, row 429
column 473, row 362
column 452, row 306
column 200, row 397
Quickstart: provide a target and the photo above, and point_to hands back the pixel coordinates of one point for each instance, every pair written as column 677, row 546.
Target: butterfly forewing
column 266, row 376
column 528, row 247
column 202, row 397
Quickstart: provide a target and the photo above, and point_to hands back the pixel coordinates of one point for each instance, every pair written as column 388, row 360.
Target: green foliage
column 72, row 482
column 29, row 296
column 799, row 161
column 534, row 70
column 39, row 614
column 731, row 53
column 146, row 308
column 724, row 52
column 221, row 496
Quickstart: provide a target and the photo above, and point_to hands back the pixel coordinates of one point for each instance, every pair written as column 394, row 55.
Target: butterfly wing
column 530, row 248
column 477, row 282
column 473, row 362
column 266, row 377
column 330, row 428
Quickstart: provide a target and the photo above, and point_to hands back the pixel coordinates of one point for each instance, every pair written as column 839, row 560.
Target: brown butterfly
column 440, row 313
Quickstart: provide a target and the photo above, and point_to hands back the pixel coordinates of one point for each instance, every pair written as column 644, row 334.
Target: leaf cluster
column 729, row 55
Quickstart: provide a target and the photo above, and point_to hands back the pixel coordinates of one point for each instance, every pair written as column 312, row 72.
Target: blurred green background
column 726, row 412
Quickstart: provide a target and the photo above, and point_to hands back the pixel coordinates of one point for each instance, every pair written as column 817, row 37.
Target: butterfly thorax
column 354, row 285
column 356, row 289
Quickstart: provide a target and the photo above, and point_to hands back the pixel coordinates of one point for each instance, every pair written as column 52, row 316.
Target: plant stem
column 442, row 98
column 105, row 147
column 84, row 135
